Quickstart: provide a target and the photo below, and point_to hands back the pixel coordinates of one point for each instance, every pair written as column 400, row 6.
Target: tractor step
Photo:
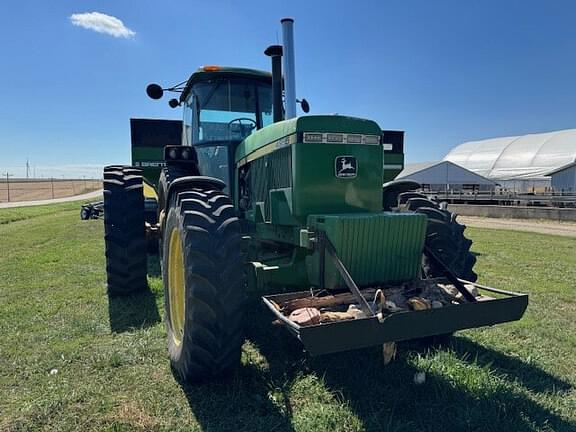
column 493, row 306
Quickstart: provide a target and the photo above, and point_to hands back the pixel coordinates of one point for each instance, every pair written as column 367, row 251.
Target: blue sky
column 443, row 71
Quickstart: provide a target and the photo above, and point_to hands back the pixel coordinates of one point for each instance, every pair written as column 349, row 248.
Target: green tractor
column 303, row 210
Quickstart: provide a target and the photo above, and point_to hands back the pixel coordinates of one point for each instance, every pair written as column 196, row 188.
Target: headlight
column 371, row 139
column 313, row 137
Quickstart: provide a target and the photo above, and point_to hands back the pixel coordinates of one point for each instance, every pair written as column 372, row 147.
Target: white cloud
column 102, row 23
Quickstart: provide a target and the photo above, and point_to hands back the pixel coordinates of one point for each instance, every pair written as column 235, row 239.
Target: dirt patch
column 134, row 417
column 40, row 189
column 567, row 229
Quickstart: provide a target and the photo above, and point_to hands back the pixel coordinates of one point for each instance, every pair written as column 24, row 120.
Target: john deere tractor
column 257, row 200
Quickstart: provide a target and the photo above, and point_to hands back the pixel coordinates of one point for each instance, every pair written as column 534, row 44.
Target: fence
column 541, row 199
column 514, row 212
column 36, row 189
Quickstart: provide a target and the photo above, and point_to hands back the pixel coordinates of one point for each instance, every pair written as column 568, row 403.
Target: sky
column 446, row 72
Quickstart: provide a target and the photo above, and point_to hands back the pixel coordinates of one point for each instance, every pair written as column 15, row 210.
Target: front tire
column 204, row 284
column 85, row 213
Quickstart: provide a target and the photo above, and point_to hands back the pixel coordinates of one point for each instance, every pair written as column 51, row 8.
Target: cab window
column 228, row 110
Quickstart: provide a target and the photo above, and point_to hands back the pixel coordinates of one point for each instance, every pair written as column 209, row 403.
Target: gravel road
column 84, row 197
column 567, row 229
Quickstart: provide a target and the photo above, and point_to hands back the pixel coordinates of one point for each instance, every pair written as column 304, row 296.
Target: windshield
column 214, row 162
column 226, row 110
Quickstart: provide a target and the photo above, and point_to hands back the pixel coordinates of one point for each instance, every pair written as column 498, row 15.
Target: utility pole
column 8, row 175
column 27, row 168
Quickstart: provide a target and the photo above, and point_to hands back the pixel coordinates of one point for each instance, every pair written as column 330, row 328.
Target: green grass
column 21, row 213
column 113, row 373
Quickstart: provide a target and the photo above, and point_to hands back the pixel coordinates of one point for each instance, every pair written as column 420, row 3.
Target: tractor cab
column 221, row 107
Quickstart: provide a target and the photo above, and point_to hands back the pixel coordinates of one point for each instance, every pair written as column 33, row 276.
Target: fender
column 183, row 183
column 392, row 189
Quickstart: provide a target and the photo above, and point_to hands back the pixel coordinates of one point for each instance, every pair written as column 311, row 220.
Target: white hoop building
column 519, row 163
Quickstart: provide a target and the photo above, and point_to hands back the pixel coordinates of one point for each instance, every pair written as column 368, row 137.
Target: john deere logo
column 346, row 166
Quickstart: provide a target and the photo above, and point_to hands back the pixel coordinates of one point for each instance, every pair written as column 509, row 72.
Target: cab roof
column 205, row 73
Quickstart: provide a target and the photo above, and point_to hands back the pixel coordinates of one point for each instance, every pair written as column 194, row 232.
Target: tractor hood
column 324, row 164
column 287, row 131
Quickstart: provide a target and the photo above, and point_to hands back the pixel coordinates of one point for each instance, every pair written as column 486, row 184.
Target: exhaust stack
column 275, row 52
column 289, row 69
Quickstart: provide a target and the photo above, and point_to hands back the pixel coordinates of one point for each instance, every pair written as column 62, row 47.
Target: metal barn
column 446, row 176
column 564, row 178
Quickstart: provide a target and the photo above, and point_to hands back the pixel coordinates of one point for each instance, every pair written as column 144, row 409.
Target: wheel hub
column 176, row 286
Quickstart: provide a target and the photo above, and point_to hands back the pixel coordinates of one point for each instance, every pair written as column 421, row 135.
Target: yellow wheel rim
column 176, row 286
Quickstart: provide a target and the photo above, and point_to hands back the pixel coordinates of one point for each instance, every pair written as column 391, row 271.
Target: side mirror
column 154, row 91
column 304, row 105
column 173, row 103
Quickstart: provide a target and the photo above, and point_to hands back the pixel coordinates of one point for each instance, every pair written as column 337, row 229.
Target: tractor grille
column 273, row 171
column 376, row 248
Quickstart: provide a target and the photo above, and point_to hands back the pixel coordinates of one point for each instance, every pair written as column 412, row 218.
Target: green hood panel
column 314, row 123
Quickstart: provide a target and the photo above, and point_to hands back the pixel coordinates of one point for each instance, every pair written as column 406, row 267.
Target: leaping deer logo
column 345, row 166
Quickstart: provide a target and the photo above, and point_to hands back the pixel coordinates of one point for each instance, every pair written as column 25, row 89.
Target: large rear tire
column 124, row 230
column 204, row 284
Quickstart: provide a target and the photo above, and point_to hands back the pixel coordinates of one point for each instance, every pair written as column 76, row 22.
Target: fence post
column 8, row 175
column 52, row 185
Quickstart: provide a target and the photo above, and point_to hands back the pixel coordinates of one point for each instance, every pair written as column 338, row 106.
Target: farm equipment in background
column 93, row 210
column 256, row 200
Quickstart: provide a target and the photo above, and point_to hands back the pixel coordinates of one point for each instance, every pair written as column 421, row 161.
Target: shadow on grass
column 386, row 398
column 383, row 398
column 242, row 401
column 239, row 403
column 133, row 312
column 529, row 376
column 153, row 265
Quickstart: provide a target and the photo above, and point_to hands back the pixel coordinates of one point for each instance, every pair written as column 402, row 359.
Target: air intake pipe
column 275, row 52
column 289, row 68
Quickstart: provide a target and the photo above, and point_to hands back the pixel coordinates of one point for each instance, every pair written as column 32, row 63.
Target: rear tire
column 204, row 284
column 124, row 230
column 445, row 236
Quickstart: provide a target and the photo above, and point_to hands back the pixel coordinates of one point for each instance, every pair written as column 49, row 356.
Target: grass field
column 72, row 361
